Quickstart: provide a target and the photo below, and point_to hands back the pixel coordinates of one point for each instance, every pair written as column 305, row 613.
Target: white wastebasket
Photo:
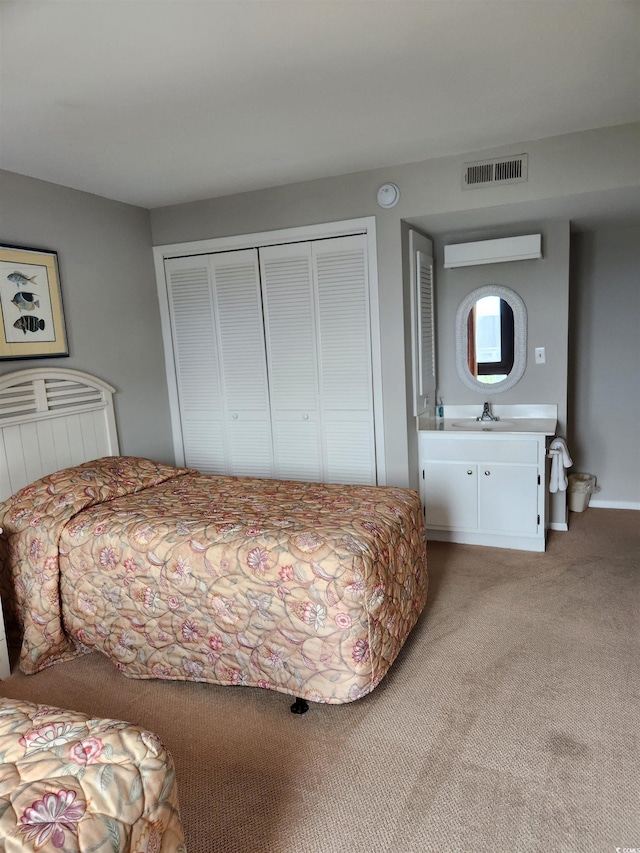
column 580, row 488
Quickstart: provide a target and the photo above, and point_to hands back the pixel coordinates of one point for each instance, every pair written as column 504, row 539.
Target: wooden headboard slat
column 50, row 419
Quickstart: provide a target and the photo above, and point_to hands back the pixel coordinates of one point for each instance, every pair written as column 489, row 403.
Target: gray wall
column 575, row 165
column 604, row 360
column 109, row 297
column 544, row 287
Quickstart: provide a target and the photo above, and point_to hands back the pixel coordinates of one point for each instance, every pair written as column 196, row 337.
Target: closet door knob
column 487, row 473
column 235, row 416
column 469, row 471
column 305, row 417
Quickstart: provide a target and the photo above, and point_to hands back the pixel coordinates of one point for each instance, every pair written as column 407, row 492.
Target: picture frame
column 31, row 314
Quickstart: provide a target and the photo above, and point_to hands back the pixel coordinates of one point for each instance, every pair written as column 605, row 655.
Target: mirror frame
column 519, row 339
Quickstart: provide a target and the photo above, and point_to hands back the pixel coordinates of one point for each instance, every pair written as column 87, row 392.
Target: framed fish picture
column 31, row 316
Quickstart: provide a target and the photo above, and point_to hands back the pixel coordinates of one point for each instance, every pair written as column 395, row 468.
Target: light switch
column 541, row 355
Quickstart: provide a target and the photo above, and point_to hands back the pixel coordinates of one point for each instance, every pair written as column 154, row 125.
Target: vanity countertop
column 461, row 420
column 546, row 426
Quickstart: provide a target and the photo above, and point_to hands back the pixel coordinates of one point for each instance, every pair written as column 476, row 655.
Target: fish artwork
column 20, row 279
column 29, row 324
column 25, row 301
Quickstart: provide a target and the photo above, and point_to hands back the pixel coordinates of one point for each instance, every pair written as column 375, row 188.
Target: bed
column 69, row 782
column 304, row 588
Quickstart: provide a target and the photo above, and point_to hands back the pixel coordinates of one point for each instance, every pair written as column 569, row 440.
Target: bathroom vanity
column 486, row 482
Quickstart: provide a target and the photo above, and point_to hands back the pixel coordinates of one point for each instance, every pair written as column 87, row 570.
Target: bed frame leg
column 300, row 706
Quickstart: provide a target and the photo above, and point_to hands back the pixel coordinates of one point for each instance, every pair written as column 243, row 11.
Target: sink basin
column 483, row 426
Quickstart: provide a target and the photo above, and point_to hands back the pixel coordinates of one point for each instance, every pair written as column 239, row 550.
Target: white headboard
column 51, row 419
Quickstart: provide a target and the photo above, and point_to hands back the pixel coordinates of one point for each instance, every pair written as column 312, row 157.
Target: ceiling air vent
column 483, row 173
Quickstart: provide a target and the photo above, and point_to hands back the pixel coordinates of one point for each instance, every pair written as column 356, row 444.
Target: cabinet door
column 290, row 331
column 243, row 366
column 344, row 359
column 195, row 354
column 450, row 494
column 508, row 498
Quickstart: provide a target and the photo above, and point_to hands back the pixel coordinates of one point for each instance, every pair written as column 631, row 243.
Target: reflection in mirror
column 491, row 339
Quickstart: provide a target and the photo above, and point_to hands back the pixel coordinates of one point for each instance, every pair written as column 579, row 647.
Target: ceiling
column 157, row 102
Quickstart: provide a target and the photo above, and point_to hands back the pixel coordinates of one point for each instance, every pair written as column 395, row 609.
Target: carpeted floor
column 509, row 723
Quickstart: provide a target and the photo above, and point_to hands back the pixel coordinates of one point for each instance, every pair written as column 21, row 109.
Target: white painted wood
column 16, row 455
column 300, row 234
column 50, row 419
column 450, row 494
column 498, row 251
column 60, row 437
column 508, row 498
column 426, row 333
column 74, row 428
column 349, row 452
column 4, row 465
column 291, row 345
column 422, row 322
column 297, row 446
column 344, row 359
column 366, row 226
column 613, row 504
column 195, row 360
column 317, row 327
column 237, row 307
column 488, row 489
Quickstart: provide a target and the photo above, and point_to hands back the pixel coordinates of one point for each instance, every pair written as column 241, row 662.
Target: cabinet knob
column 469, row 471
column 305, row 417
column 487, row 473
column 235, row 416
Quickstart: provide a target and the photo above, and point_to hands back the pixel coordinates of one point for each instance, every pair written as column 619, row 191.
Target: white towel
column 559, row 461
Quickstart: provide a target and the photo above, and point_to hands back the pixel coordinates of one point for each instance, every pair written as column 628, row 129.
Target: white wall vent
column 484, row 173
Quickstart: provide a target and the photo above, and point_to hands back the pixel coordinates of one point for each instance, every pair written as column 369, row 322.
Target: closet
column 272, row 353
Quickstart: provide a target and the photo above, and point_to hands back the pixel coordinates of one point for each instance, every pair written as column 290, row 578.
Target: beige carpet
column 509, row 723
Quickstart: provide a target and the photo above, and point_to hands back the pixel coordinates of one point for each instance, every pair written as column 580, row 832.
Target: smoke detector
column 388, row 195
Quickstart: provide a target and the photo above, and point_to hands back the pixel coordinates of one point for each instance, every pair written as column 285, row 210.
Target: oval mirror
column 491, row 339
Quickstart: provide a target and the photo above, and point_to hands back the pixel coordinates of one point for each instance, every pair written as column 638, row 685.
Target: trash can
column 580, row 488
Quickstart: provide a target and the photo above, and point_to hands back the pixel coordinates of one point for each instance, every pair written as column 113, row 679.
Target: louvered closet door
column 290, row 334
column 344, row 356
column 195, row 352
column 243, row 367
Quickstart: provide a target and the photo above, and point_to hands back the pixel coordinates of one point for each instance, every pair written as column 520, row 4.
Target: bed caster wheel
column 300, row 706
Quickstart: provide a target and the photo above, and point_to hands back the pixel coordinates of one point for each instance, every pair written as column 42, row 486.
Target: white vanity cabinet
column 484, row 489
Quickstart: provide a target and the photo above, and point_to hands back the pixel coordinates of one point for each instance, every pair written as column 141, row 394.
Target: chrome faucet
column 486, row 414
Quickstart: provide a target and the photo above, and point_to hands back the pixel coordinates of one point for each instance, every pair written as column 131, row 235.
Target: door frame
column 343, row 228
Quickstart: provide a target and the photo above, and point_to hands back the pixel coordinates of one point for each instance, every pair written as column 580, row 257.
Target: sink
column 483, row 426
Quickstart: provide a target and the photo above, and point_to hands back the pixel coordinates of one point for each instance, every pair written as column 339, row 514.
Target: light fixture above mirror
column 491, row 339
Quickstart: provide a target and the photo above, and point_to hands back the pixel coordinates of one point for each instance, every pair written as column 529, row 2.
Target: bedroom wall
column 543, row 285
column 560, row 167
column 604, row 360
column 109, row 297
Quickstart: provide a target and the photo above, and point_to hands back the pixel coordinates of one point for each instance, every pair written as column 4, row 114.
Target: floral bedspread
column 310, row 589
column 68, row 782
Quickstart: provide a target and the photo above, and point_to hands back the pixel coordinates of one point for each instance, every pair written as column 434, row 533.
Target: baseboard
column 494, row 540
column 558, row 525
column 615, row 504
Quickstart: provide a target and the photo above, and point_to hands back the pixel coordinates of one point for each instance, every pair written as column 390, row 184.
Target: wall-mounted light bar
column 493, row 251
